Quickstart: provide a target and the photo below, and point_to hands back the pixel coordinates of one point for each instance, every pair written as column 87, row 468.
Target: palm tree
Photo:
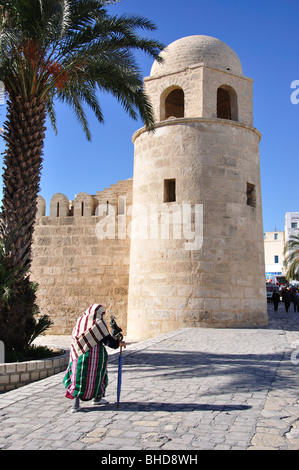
column 67, row 50
column 291, row 262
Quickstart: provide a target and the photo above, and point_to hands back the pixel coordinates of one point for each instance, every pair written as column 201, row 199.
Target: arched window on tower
column 172, row 103
column 227, row 103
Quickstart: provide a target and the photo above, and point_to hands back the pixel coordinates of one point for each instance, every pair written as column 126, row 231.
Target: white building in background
column 274, row 253
column 291, row 224
column 274, row 243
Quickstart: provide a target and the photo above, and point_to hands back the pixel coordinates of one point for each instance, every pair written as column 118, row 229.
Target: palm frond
column 74, row 100
column 42, row 324
column 51, row 113
column 47, row 46
column 291, row 252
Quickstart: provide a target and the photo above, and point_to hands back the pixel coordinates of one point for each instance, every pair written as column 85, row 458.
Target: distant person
column 295, row 300
column 286, row 298
column 276, row 299
column 86, row 377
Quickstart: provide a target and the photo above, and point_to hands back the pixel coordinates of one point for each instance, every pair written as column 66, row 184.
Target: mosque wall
column 80, row 255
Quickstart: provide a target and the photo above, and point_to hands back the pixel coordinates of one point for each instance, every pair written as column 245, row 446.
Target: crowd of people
column 289, row 295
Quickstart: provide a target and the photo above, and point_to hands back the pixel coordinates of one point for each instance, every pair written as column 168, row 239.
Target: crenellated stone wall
column 80, row 258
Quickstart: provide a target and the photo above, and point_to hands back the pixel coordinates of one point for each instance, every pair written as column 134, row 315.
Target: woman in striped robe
column 86, row 377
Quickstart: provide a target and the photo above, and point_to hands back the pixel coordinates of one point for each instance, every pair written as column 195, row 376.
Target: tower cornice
column 190, row 120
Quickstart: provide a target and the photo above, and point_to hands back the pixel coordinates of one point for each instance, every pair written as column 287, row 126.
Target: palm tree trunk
column 24, row 136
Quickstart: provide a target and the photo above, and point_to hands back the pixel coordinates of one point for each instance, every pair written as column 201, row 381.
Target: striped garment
column 89, row 330
column 86, row 376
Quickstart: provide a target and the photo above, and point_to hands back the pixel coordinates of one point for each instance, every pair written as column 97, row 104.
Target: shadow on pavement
column 160, row 406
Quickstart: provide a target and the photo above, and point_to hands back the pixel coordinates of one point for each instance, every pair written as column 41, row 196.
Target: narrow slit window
column 57, row 211
column 121, row 205
column 169, row 190
column 82, row 208
column 251, row 195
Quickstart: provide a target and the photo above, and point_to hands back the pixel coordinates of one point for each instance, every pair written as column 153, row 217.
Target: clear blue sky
column 264, row 34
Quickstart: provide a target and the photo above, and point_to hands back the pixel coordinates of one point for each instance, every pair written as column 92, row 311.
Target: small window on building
column 276, row 259
column 293, row 224
column 57, row 210
column 169, row 190
column 275, row 236
column 251, row 196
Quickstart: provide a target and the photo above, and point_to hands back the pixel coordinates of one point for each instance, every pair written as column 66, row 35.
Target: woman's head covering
column 89, row 330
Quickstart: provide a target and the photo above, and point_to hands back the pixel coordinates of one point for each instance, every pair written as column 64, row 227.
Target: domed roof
column 197, row 49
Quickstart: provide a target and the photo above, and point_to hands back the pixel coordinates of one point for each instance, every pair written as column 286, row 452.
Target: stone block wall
column 17, row 374
column 83, row 259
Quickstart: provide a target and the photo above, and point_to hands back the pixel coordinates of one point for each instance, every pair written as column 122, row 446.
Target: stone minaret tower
column 197, row 252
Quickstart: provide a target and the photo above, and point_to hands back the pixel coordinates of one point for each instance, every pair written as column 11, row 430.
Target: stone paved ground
column 191, row 389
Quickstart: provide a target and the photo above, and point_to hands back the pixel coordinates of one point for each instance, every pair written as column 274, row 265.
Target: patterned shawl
column 90, row 329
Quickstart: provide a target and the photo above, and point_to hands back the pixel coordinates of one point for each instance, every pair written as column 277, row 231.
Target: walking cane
column 117, row 333
column 119, row 377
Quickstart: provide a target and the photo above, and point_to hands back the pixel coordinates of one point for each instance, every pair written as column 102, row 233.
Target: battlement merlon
column 88, row 205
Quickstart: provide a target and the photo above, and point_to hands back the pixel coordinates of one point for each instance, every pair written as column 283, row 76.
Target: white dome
column 197, row 49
